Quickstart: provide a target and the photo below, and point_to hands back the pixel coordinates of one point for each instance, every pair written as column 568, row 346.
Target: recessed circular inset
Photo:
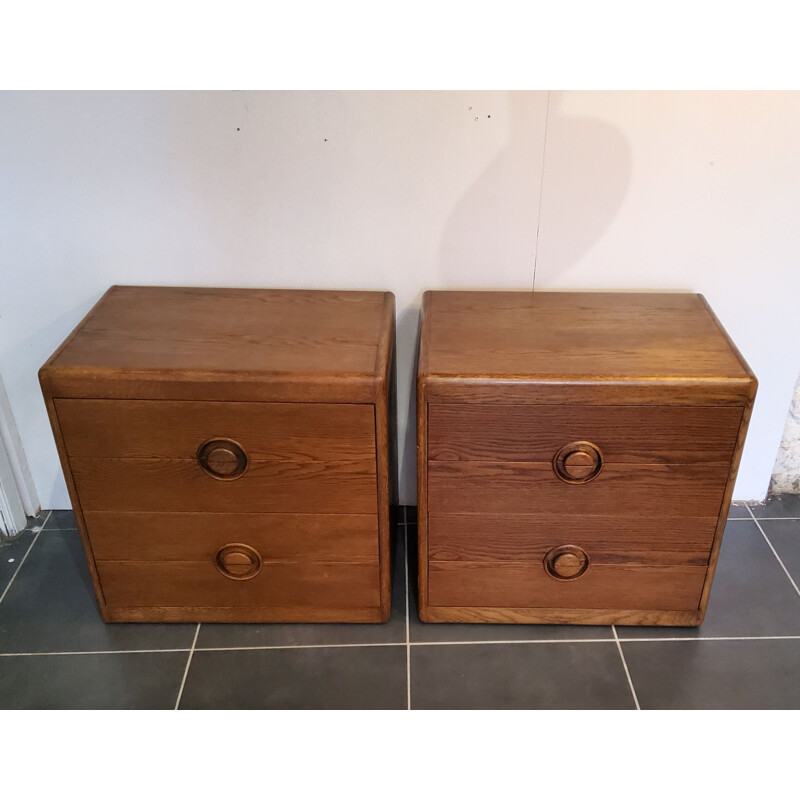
column 239, row 562
column 566, row 562
column 578, row 462
column 223, row 459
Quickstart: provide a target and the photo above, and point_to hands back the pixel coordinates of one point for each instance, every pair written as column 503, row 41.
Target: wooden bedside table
column 227, row 452
column 576, row 456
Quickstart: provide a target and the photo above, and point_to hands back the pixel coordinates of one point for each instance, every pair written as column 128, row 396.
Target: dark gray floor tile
column 519, row 676
column 486, row 632
column 298, row 678
column 738, row 511
column 750, row 596
column 11, row 555
column 280, row 634
column 784, row 534
column 62, row 520
column 91, row 681
column 785, row 505
column 701, row 674
column 51, row 607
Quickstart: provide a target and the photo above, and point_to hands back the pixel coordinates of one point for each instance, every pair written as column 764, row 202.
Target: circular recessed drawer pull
column 240, row 562
column 578, row 462
column 222, row 458
column 567, row 562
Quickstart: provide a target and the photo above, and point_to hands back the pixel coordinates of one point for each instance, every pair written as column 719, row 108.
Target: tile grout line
column 403, row 644
column 774, row 551
column 96, row 652
column 625, row 665
column 188, row 664
column 22, row 560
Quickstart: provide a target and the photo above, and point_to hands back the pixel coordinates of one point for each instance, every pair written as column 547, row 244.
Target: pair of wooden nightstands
column 229, row 454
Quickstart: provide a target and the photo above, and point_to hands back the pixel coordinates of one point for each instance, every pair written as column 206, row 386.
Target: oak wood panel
column 267, row 388
column 594, row 336
column 228, row 330
column 140, row 484
column 187, row 343
column 526, row 585
column 422, row 462
column 730, row 392
column 630, row 490
column 384, row 452
column 175, row 429
column 187, row 536
column 265, row 614
column 726, row 500
column 624, row 434
column 199, row 583
column 559, row 616
column 619, row 539
column 75, row 500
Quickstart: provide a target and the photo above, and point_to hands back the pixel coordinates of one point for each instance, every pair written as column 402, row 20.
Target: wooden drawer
column 602, row 586
column 152, row 536
column 609, row 540
column 325, row 432
column 625, row 489
column 159, row 484
column 624, row 434
column 195, row 584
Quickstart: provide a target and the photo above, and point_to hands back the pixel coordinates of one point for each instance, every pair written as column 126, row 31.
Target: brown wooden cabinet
column 227, row 452
column 576, row 455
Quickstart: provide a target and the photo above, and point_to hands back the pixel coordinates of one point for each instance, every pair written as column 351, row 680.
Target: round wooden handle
column 240, row 562
column 566, row 562
column 578, row 462
column 222, row 458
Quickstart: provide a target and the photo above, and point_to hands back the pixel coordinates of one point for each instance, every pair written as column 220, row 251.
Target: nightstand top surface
column 139, row 333
column 575, row 336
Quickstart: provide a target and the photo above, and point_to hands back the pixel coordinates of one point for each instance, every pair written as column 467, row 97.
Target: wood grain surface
column 198, row 583
column 143, row 342
column 624, row 434
column 560, row 616
column 300, row 382
column 173, row 429
column 609, row 539
column 624, row 489
column 595, row 336
column 160, row 484
column 505, row 379
column 263, row 614
column 527, row 585
column 190, row 536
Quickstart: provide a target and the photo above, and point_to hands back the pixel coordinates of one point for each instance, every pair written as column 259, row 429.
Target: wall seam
column 541, row 191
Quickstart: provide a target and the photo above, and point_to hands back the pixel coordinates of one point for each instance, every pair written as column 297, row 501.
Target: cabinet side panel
column 76, row 504
column 385, row 482
column 726, row 501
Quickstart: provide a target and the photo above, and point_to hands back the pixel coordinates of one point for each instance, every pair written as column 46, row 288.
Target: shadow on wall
column 579, row 170
column 408, row 334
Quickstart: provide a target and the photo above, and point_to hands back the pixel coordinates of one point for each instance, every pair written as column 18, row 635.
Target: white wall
column 687, row 190
column 403, row 191
column 399, row 191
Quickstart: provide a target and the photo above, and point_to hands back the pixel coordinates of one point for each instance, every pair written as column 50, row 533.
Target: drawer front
column 160, row 484
column 176, row 429
column 619, row 489
column 146, row 536
column 608, row 540
column 624, row 434
column 527, row 585
column 200, row 584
